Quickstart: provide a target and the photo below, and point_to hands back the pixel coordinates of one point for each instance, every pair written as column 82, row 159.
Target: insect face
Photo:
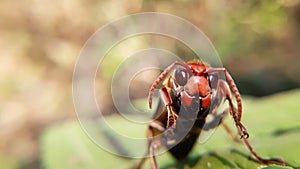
column 193, row 85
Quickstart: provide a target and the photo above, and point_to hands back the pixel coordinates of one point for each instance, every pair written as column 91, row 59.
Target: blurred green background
column 258, row 42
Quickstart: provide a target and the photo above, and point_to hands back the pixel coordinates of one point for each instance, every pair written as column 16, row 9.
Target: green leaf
column 275, row 167
column 272, row 122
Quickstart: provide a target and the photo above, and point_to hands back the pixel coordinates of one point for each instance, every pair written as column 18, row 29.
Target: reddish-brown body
column 191, row 93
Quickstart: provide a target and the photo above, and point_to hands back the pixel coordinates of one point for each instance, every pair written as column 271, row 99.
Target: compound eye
column 181, row 76
column 213, row 81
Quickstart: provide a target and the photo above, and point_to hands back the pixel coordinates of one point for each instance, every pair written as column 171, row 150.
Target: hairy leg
column 152, row 144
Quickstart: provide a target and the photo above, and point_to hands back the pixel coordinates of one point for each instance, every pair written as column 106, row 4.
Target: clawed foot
column 242, row 131
column 169, row 135
column 273, row 161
